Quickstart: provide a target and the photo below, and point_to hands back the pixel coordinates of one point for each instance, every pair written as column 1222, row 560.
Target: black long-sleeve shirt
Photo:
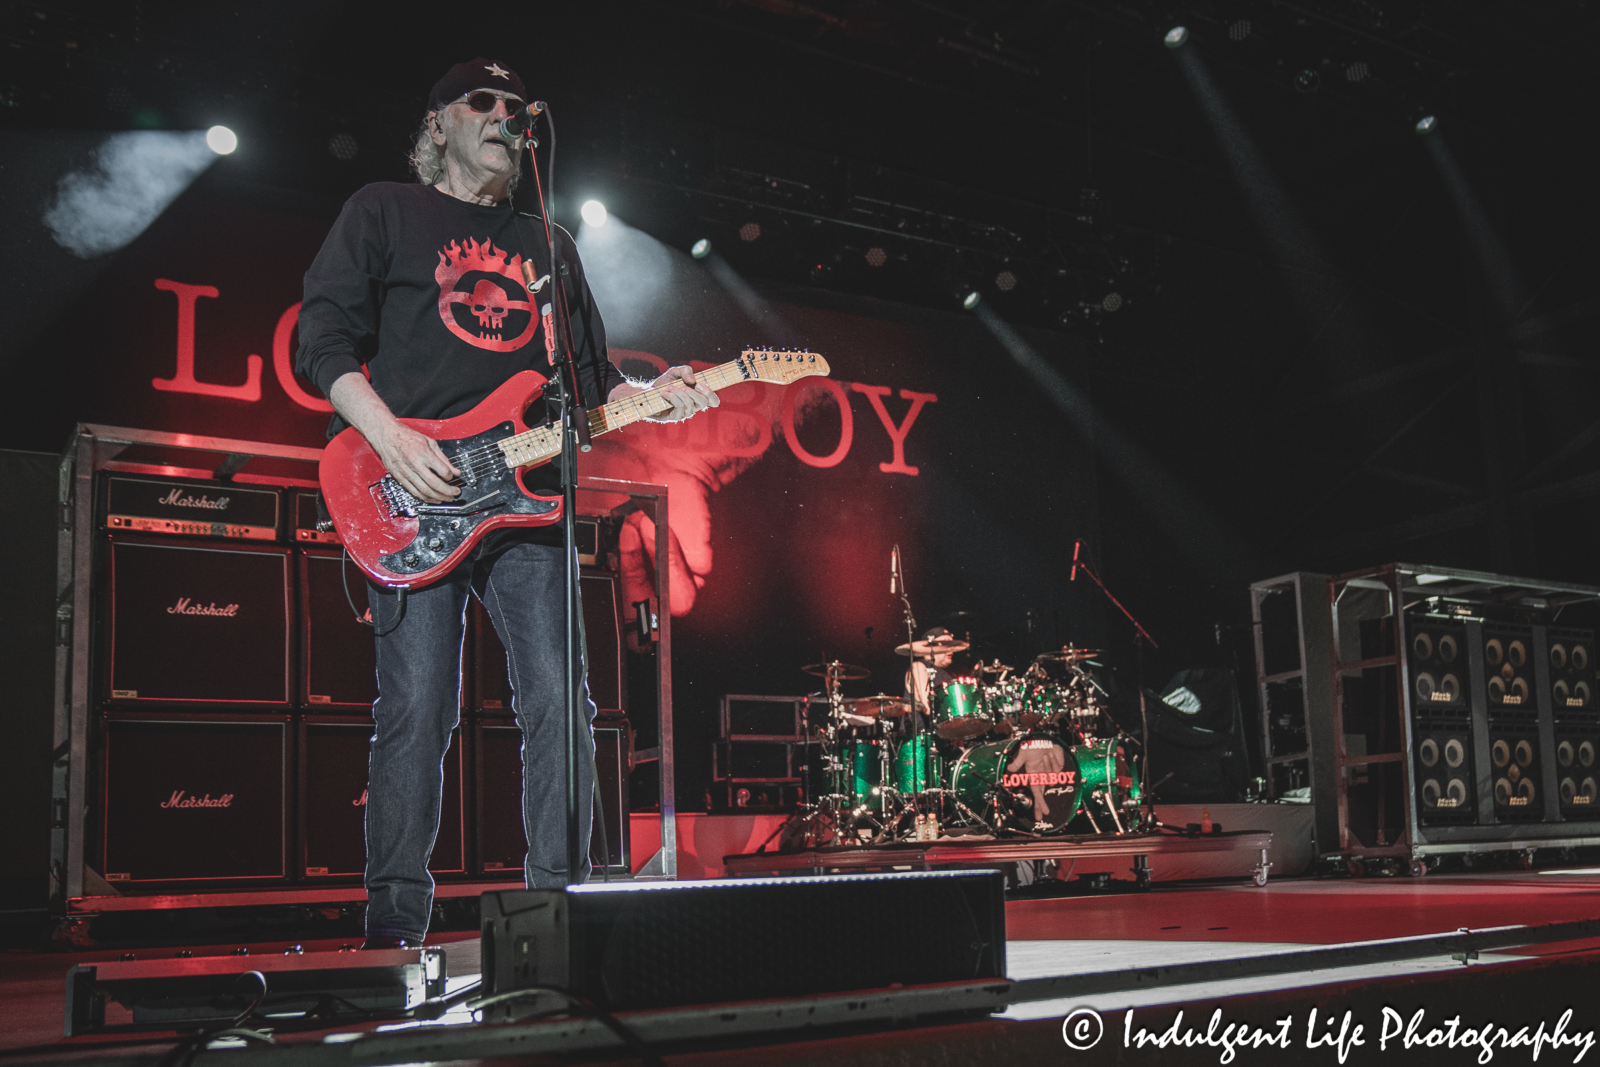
column 426, row 292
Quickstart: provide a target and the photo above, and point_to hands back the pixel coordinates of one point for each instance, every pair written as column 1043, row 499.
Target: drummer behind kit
column 993, row 752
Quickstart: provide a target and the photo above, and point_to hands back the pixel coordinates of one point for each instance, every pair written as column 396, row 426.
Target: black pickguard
column 489, row 489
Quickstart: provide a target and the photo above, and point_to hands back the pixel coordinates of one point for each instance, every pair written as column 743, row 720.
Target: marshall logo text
column 177, row 498
column 179, row 800
column 185, row 607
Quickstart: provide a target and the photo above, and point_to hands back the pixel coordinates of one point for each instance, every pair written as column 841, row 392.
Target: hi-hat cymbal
column 839, row 672
column 930, row 648
column 1068, row 654
column 880, row 706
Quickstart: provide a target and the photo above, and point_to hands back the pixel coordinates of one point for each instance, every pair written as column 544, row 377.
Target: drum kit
column 999, row 752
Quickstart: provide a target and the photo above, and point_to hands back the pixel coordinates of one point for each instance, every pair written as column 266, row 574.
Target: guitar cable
column 400, row 599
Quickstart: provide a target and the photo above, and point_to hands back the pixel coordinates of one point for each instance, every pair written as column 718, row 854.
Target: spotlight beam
column 1196, row 532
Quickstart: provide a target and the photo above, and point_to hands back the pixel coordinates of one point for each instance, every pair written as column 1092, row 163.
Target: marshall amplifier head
column 190, row 508
column 194, row 800
column 338, row 661
column 333, row 802
column 192, row 623
column 310, row 517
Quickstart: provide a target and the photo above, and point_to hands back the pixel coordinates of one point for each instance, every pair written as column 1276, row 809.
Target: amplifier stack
column 233, row 686
column 1505, row 723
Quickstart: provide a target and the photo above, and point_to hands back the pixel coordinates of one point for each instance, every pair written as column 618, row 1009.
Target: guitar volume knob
column 436, row 543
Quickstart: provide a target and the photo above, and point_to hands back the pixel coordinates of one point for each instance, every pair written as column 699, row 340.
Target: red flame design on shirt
column 494, row 312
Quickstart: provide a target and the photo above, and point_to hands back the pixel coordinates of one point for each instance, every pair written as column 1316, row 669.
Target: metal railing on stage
column 94, row 449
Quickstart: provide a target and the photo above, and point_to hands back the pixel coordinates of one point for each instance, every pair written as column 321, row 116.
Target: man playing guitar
column 416, row 307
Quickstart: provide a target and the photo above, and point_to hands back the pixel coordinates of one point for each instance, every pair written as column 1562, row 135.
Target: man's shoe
column 384, row 941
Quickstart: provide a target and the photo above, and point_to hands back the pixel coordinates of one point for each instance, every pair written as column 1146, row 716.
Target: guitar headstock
column 781, row 365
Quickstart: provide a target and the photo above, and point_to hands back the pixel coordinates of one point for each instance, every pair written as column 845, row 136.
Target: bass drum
column 1029, row 783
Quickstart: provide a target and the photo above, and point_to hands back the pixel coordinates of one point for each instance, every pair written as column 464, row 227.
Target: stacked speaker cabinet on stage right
column 1464, row 714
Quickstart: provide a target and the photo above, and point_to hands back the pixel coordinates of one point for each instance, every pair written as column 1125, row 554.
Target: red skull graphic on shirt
column 481, row 296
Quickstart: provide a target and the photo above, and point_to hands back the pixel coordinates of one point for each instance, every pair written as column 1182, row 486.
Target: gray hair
column 427, row 158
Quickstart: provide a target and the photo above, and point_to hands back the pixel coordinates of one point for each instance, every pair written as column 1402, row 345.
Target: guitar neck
column 544, row 442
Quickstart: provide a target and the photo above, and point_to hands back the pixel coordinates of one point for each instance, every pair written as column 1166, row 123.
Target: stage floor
column 1083, row 934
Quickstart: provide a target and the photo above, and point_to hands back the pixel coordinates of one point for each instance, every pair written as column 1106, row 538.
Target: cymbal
column 930, row 648
column 991, row 668
column 1068, row 654
column 839, row 672
column 880, row 706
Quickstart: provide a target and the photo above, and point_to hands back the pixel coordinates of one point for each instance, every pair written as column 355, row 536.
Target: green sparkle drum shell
column 960, row 710
column 916, row 765
column 862, row 770
column 973, row 778
column 1105, row 768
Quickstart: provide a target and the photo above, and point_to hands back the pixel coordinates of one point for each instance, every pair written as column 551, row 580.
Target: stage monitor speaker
column 666, row 944
column 338, row 667
column 1512, row 702
column 197, row 623
column 190, row 508
column 194, row 799
column 602, row 621
column 502, row 844
column 333, row 798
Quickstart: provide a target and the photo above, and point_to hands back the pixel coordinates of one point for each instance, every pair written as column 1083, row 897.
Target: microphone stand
column 1140, row 637
column 574, row 437
column 897, row 580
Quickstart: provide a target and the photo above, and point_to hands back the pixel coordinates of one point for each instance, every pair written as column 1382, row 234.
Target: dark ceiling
column 1320, row 361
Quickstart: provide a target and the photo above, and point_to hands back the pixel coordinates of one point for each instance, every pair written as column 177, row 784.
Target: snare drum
column 960, row 711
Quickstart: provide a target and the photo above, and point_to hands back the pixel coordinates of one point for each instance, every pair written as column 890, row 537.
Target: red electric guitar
column 403, row 542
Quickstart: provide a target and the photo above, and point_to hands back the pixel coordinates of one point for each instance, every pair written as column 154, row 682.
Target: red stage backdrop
column 785, row 502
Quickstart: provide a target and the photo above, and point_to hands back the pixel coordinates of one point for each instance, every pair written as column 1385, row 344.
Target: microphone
column 1076, row 548
column 897, row 581
column 520, row 121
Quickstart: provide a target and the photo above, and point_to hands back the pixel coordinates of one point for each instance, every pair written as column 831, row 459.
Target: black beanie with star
column 475, row 74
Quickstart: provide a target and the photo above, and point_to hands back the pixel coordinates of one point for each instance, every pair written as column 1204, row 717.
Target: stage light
column 970, row 301
column 1239, row 29
column 700, row 249
column 1176, row 37
column 1111, row 302
column 593, row 212
column 876, row 257
column 750, row 231
column 1357, row 72
column 1005, row 281
column 221, row 140
column 1426, row 124
column 1308, row 81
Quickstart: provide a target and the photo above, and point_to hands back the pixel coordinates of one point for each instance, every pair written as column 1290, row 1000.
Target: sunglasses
column 484, row 101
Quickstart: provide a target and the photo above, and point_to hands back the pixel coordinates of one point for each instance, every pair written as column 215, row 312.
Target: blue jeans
column 419, row 698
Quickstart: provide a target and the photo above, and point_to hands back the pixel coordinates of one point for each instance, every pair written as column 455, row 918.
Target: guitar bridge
column 393, row 498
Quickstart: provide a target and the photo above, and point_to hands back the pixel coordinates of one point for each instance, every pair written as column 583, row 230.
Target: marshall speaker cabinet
column 191, row 800
column 337, row 662
column 190, row 509
column 602, row 621
column 333, row 798
column 501, row 842
column 196, row 623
